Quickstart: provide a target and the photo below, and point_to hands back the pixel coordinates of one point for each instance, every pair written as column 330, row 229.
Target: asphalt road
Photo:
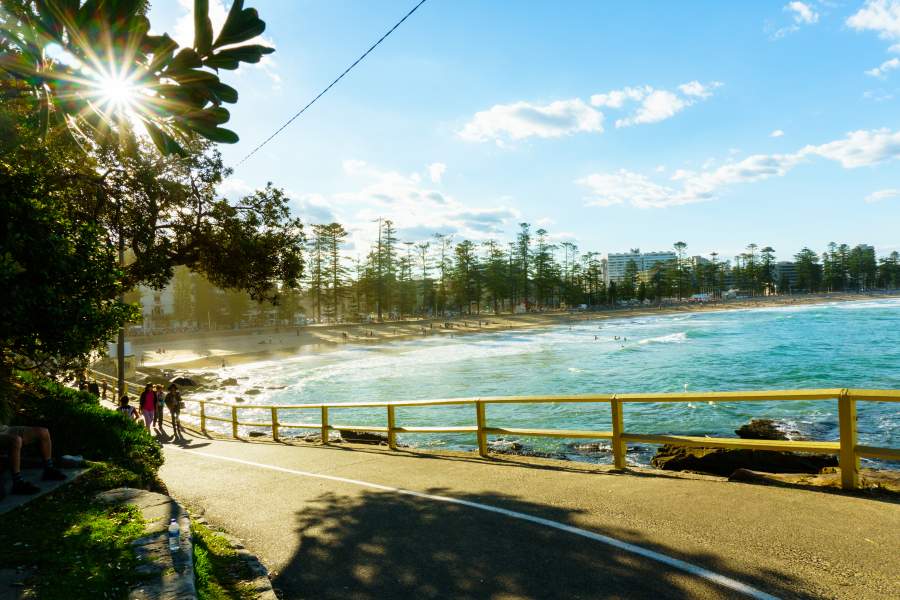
column 362, row 522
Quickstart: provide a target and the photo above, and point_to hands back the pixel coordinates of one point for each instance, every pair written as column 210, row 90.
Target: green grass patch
column 79, row 425
column 76, row 547
column 219, row 571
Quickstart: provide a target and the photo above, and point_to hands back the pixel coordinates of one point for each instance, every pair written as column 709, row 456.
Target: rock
column 257, row 434
column 363, row 437
column 229, row 381
column 761, row 429
column 183, row 380
column 253, row 392
column 720, row 461
column 239, row 400
column 503, row 446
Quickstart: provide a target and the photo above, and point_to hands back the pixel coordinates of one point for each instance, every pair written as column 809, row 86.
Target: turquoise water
column 832, row 345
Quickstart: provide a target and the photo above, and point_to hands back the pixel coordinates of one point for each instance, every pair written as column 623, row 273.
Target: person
column 94, row 388
column 160, row 402
column 174, row 404
column 127, row 409
column 147, row 405
column 13, row 438
column 105, row 388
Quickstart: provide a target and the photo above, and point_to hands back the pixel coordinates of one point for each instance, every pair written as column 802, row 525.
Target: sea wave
column 672, row 338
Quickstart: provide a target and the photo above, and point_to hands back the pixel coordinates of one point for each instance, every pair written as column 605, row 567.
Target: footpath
column 346, row 521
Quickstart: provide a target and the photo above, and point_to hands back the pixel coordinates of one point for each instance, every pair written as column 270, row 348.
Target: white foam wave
column 672, row 338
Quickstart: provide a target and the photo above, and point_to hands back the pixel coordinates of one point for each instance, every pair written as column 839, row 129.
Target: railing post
column 392, row 424
column 203, row 417
column 480, row 419
column 324, row 424
column 849, row 461
column 234, row 422
column 275, row 423
column 618, row 426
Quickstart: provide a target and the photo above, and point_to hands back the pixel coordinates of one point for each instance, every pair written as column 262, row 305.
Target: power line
column 332, row 84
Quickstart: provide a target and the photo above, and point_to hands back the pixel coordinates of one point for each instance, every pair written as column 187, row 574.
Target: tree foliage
column 177, row 91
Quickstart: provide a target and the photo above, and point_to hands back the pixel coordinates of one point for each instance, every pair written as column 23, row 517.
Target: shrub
column 79, row 425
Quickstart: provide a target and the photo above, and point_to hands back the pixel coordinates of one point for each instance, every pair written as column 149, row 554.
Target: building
column 617, row 263
column 785, row 271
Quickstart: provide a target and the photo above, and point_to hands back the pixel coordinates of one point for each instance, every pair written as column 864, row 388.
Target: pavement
column 363, row 522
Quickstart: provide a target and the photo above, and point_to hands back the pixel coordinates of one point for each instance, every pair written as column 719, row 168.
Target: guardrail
column 847, row 448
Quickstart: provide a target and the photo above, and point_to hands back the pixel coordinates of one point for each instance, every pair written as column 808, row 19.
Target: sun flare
column 117, row 94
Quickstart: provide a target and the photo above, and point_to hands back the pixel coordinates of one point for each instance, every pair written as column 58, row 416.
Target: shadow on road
column 382, row 545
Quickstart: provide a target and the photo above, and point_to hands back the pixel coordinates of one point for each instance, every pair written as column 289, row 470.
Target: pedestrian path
column 362, row 522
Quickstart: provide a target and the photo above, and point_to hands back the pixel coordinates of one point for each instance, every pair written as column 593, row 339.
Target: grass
column 220, row 573
column 74, row 547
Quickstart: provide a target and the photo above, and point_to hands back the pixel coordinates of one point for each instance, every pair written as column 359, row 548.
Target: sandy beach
column 205, row 349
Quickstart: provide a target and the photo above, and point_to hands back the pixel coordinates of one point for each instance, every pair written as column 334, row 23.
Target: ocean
column 843, row 344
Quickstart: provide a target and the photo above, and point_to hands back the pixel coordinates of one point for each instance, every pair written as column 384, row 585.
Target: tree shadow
column 379, row 544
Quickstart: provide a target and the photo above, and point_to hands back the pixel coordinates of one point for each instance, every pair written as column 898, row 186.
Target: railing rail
column 847, row 448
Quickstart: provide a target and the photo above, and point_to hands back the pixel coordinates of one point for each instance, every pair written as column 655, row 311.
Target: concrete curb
column 261, row 584
column 167, row 575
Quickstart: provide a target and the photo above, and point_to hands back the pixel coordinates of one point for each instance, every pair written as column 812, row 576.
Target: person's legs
column 148, row 418
column 29, row 435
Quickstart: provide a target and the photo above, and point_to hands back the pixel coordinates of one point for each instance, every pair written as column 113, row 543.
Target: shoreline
column 214, row 350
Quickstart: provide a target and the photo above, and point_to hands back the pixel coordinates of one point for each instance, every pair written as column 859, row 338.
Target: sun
column 117, row 94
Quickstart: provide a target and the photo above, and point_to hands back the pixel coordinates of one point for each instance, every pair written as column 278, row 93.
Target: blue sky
column 614, row 125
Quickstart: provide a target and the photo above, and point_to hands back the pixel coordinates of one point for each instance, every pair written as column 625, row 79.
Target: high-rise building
column 617, row 262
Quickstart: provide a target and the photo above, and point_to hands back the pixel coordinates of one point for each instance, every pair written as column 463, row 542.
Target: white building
column 617, row 263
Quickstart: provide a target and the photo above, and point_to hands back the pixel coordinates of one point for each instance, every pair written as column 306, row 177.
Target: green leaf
column 202, row 27
column 240, row 26
column 165, row 143
column 217, row 134
column 186, row 58
column 252, row 53
column 225, row 93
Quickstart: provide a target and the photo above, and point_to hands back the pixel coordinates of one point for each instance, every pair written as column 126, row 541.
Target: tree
column 182, row 290
column 523, row 255
column 59, row 284
column 809, row 271
column 336, row 235
column 117, row 71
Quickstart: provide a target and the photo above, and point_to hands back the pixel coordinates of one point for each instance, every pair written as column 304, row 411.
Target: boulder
column 724, row 462
column 229, row 381
column 183, row 381
column 253, row 392
column 760, row 429
column 364, row 437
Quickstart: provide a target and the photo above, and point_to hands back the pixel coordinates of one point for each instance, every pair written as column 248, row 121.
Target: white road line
column 681, row 565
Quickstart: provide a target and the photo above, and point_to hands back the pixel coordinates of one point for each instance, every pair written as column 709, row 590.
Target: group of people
column 151, row 404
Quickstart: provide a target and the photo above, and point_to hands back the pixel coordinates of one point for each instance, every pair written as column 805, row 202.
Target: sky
column 613, row 125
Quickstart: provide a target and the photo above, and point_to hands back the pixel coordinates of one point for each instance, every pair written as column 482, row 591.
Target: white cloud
column 417, row 210
column 436, row 171
column 184, row 35
column 803, row 13
column 654, row 105
column 888, row 65
column 618, row 98
column 695, row 88
column 857, row 149
column 882, row 195
column 658, row 105
column 881, row 16
column 877, row 95
column 777, row 133
column 522, row 120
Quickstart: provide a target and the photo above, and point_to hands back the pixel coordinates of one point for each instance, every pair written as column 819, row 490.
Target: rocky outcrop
column 724, row 462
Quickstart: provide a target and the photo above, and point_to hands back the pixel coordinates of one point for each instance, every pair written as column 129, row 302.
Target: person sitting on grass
column 12, row 438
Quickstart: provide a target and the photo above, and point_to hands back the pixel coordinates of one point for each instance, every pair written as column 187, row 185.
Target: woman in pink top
column 147, row 404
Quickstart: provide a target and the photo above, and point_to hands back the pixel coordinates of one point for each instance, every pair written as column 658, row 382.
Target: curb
column 261, row 584
column 166, row 575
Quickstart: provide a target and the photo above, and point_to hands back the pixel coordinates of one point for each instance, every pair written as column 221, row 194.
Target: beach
column 224, row 348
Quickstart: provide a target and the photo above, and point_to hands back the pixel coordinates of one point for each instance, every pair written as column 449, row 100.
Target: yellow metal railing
column 847, row 448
